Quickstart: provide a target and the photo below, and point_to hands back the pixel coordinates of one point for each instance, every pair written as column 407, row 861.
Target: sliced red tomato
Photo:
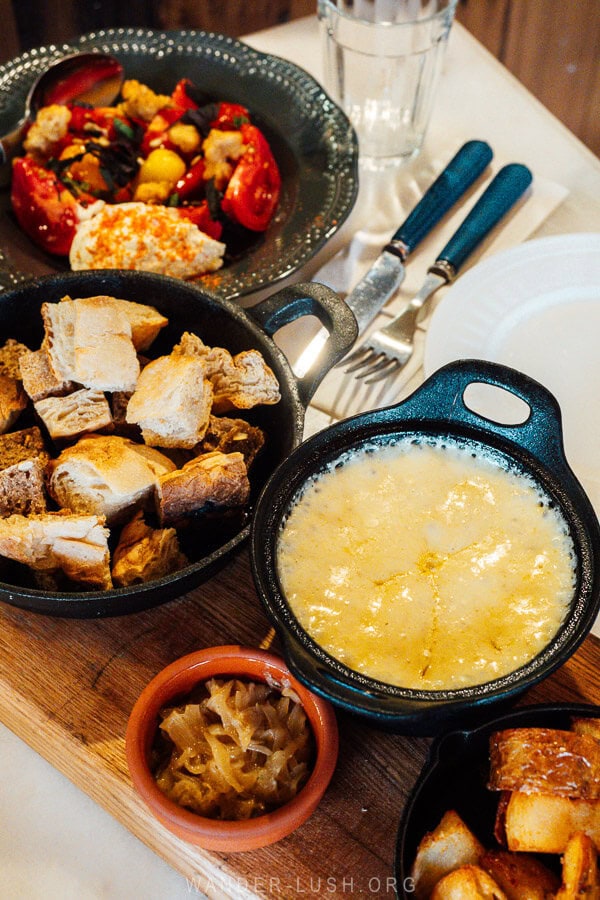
column 199, row 214
column 124, row 194
column 252, row 194
column 180, row 96
column 192, row 183
column 82, row 116
column 157, row 132
column 230, row 116
column 44, row 208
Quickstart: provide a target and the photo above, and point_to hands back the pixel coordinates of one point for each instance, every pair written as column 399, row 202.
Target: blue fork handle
column 460, row 173
column 508, row 186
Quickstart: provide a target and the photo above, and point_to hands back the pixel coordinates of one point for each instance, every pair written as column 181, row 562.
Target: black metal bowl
column 455, row 776
column 311, row 137
column 218, row 322
column 436, row 410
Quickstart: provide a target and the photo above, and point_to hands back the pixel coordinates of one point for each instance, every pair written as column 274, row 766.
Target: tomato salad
column 207, row 161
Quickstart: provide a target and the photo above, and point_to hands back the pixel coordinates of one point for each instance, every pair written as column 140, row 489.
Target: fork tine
column 384, row 362
column 359, row 352
column 370, row 359
column 393, row 366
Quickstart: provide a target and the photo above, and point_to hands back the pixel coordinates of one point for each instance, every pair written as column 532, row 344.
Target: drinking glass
column 382, row 63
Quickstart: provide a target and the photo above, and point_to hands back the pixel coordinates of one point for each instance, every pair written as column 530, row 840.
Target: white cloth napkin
column 382, row 210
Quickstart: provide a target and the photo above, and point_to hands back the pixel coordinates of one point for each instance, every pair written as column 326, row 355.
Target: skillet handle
column 442, row 396
column 310, row 299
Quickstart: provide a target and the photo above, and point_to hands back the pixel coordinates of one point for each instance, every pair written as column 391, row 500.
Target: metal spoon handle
column 93, row 78
column 10, row 143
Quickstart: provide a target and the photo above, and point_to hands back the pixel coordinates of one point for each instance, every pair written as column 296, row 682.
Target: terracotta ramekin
column 177, row 680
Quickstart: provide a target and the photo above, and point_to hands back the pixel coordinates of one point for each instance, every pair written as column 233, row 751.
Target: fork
column 389, row 349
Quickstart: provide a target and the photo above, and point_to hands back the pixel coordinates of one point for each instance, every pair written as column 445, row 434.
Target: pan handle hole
column 496, row 404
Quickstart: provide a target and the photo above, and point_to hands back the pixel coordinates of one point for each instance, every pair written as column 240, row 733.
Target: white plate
column 536, row 308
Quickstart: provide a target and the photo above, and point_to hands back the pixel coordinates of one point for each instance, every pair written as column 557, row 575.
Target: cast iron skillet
column 455, row 776
column 436, row 409
column 218, row 322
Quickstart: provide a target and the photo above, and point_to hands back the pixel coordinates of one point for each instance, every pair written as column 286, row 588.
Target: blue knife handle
column 460, row 173
column 510, row 183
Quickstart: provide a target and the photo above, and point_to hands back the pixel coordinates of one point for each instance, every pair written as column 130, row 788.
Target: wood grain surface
column 67, row 687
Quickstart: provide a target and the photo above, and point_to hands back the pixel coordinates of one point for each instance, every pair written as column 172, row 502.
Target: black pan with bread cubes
column 425, row 562
column 141, row 417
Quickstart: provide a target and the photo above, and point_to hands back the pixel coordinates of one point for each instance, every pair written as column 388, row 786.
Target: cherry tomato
column 45, row 210
column 200, row 215
column 230, row 116
column 252, row 194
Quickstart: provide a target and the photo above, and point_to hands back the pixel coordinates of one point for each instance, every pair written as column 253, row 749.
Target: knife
column 386, row 274
column 389, row 349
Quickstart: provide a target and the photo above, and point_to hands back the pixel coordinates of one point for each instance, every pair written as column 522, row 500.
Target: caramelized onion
column 233, row 750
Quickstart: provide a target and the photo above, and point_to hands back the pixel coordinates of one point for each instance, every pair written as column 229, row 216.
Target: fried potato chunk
column 468, row 883
column 521, row 876
column 579, row 870
column 543, row 823
column 450, row 845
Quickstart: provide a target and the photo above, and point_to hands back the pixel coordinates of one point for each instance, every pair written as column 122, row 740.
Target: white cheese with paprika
column 148, row 237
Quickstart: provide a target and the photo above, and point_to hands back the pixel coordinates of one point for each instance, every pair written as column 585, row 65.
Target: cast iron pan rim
column 160, row 283
column 133, row 598
column 374, row 698
column 461, row 739
column 128, row 595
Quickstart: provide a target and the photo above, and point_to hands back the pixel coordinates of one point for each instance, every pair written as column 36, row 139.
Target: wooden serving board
column 67, row 687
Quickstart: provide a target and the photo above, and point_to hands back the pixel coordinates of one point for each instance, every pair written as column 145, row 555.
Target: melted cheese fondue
column 426, row 566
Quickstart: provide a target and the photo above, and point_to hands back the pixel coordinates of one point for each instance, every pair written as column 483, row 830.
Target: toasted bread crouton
column 10, row 354
column 75, row 414
column 89, row 341
column 545, row 760
column 232, row 436
column 23, row 460
column 75, row 544
column 38, row 376
column 13, row 400
column 145, row 321
column 106, row 475
column 172, row 401
column 450, row 845
column 144, row 553
column 219, row 480
column 585, row 725
column 239, row 382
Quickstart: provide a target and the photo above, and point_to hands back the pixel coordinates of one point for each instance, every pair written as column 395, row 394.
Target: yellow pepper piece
column 162, row 165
